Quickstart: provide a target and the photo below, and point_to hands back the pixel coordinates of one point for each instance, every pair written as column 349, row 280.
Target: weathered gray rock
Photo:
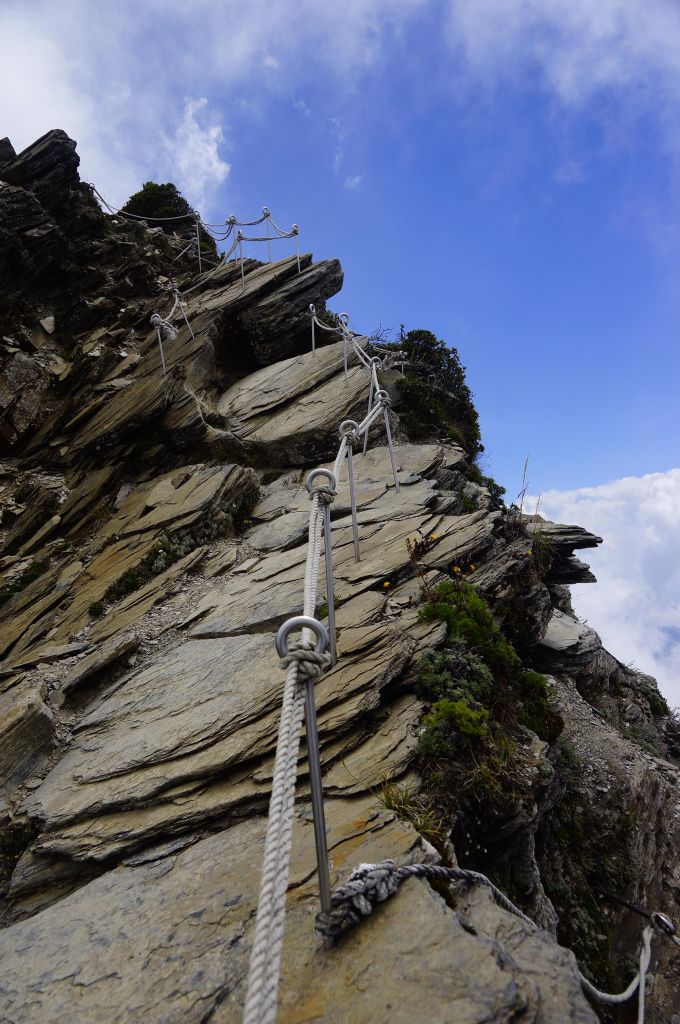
column 23, row 381
column 567, row 644
column 26, row 727
column 276, row 326
column 291, row 411
column 140, row 691
column 48, row 168
column 7, row 152
column 188, row 916
column 628, row 801
column 30, row 240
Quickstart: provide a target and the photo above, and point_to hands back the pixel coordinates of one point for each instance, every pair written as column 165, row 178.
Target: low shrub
column 452, row 726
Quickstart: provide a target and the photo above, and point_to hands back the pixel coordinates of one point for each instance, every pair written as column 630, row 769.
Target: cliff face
column 154, row 538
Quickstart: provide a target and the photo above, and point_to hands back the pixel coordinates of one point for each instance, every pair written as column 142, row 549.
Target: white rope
column 265, row 958
column 371, row 884
column 637, row 984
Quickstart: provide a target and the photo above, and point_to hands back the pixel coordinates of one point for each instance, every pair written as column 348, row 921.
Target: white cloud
column 635, row 605
column 200, row 169
column 116, row 81
column 353, row 181
column 578, row 46
column 578, row 50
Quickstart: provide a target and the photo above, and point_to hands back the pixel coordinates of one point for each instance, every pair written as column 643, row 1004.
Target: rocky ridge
column 153, row 539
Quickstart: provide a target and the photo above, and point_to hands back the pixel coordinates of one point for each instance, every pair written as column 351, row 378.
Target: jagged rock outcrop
column 153, row 539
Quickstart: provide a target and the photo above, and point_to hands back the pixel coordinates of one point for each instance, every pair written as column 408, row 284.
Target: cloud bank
column 635, row 605
column 118, row 82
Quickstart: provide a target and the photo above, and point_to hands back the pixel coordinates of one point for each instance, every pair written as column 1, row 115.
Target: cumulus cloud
column 195, row 149
column 117, row 82
column 353, row 181
column 635, row 605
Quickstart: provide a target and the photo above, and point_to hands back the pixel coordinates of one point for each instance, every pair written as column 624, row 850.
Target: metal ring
column 309, row 483
column 382, row 396
column 348, row 427
column 299, row 622
column 663, row 923
column 344, row 317
column 312, row 309
column 376, row 360
column 265, row 211
column 295, row 229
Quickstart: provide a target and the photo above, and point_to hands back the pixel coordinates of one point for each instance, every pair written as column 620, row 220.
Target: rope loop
column 326, row 493
column 350, row 430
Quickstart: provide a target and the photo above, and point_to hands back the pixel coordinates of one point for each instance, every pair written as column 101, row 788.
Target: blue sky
column 502, row 172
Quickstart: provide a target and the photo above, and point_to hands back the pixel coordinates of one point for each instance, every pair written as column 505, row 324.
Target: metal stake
column 160, row 345
column 316, row 784
column 348, row 429
column 266, row 224
column 330, row 591
column 312, row 310
column 313, row 756
column 240, row 253
column 328, row 552
column 370, row 406
column 296, row 231
column 375, row 361
column 384, row 400
column 198, row 248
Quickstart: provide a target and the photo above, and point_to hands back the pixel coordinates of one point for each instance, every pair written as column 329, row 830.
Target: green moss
column 451, row 726
column 96, row 609
column 644, row 734
column 467, row 504
column 657, row 703
column 469, row 620
column 570, row 761
column 454, row 673
column 535, row 712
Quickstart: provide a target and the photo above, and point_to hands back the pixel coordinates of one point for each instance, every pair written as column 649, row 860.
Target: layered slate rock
column 567, row 644
column 291, row 410
column 145, row 569
column 48, row 168
column 561, row 541
column 26, row 727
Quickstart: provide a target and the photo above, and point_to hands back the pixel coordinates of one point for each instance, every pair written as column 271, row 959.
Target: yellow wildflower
column 472, row 568
column 386, row 584
column 456, row 568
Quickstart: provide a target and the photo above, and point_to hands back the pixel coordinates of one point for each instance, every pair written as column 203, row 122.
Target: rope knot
column 165, row 326
column 368, row 885
column 325, row 493
column 310, row 663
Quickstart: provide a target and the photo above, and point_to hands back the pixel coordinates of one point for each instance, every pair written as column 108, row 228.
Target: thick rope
column 371, row 884
column 302, row 663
